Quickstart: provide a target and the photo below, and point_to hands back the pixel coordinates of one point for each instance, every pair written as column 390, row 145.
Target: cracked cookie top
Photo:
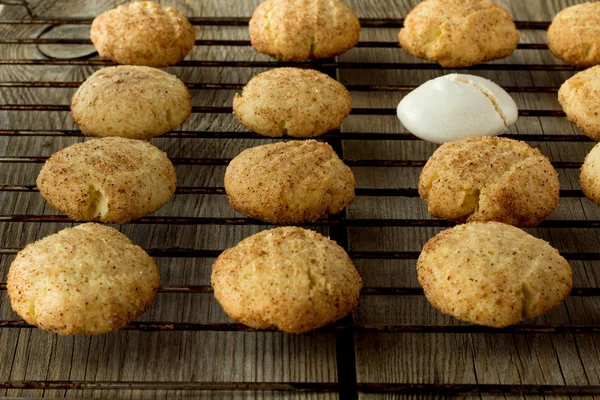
column 292, row 279
column 129, row 101
column 459, row 33
column 492, row 274
column 489, row 179
column 457, row 106
column 292, row 101
column 297, row 30
column 289, row 183
column 143, row 33
column 574, row 34
column 90, row 279
column 110, row 179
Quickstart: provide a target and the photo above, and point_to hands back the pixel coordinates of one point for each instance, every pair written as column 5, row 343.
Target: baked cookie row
column 453, row 33
column 140, row 102
column 91, row 279
column 461, row 33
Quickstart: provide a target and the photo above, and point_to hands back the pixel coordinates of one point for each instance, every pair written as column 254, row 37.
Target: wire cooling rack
column 347, row 385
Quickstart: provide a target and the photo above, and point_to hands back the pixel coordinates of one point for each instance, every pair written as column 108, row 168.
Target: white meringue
column 457, row 106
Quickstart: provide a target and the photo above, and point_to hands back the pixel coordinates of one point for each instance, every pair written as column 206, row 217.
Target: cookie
column 292, row 101
column 574, row 35
column 459, row 33
column 143, row 33
column 580, row 99
column 110, row 179
column 457, row 106
column 89, row 280
column 296, row 30
column 489, row 179
column 292, row 279
column 289, row 183
column 129, row 101
column 590, row 175
column 492, row 274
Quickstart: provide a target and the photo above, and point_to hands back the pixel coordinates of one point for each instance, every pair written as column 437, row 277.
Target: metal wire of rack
column 347, row 386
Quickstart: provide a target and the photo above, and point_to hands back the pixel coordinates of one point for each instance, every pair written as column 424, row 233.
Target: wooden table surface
column 394, row 336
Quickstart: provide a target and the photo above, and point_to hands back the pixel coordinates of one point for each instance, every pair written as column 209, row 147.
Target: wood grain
column 199, row 356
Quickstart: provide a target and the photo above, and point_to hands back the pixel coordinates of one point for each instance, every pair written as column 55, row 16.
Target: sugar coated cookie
column 590, row 175
column 129, row 101
column 143, row 33
column 459, row 33
column 90, row 279
column 489, row 179
column 296, row 30
column 574, row 35
column 292, row 279
column 292, row 101
column 580, row 99
column 492, row 274
column 289, row 183
column 110, row 179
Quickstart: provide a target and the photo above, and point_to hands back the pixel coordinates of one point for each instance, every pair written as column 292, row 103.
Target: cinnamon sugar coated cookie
column 580, row 99
column 289, row 183
column 296, row 30
column 292, row 101
column 129, row 101
column 143, row 33
column 90, row 279
column 292, row 279
column 574, row 34
column 459, row 33
column 590, row 175
column 110, row 179
column 492, row 274
column 489, row 179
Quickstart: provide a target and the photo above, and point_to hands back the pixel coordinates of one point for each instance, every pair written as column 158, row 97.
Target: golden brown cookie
column 580, row 99
column 292, row 101
column 574, row 35
column 110, row 179
column 143, row 33
column 459, row 33
column 492, row 274
column 489, row 179
column 296, row 30
column 289, row 183
column 90, row 279
column 129, row 101
column 590, row 175
column 292, row 279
